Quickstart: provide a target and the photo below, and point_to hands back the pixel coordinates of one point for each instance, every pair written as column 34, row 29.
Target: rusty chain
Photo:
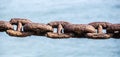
column 65, row 29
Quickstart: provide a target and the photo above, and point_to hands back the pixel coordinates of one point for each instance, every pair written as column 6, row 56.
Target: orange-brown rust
column 19, row 26
column 57, row 36
column 100, row 29
column 18, row 33
column 59, row 29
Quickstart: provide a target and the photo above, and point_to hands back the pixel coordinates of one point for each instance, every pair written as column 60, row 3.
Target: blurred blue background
column 74, row 11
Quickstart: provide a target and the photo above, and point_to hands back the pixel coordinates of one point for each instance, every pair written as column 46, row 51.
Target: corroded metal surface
column 65, row 29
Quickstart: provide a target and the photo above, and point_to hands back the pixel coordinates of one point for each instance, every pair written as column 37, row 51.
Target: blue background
column 74, row 11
